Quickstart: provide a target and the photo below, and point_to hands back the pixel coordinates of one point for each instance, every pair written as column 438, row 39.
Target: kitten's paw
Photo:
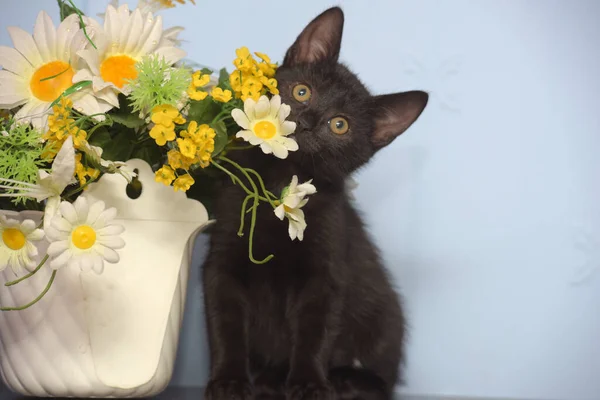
column 224, row 389
column 310, row 391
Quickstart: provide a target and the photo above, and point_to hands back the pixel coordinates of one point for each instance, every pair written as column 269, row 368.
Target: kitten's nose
column 307, row 120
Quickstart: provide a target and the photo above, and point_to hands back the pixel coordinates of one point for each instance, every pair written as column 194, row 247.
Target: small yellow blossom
column 221, row 95
column 177, row 160
column 196, row 94
column 199, row 79
column 79, row 137
column 191, row 130
column 270, row 84
column 183, row 183
column 162, row 134
column 165, row 175
column 165, row 115
column 187, row 147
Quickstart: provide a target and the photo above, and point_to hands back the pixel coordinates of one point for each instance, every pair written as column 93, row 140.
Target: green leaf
column 120, row 147
column 129, row 120
column 70, row 90
column 223, row 77
column 101, row 137
column 66, row 9
column 206, row 71
column 204, row 111
column 149, row 152
column 220, row 138
column 125, row 115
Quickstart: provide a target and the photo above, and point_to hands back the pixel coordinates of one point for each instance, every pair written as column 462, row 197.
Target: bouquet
column 80, row 99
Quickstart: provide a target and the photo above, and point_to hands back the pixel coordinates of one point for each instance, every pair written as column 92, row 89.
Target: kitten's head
column 340, row 125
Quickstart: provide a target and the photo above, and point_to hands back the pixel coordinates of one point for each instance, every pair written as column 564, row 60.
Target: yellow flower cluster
column 194, row 145
column 251, row 79
column 199, row 80
column 61, row 125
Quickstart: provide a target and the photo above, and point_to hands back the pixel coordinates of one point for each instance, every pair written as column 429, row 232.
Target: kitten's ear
column 319, row 41
column 394, row 113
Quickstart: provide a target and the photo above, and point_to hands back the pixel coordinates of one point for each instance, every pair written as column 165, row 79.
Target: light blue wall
column 487, row 210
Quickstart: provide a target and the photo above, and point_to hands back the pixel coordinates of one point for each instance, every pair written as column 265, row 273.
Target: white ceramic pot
column 114, row 334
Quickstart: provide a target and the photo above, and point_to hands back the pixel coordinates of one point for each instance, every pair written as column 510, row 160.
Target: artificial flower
column 264, row 124
column 199, row 81
column 183, row 183
column 166, row 115
column 157, row 83
column 221, row 95
column 162, row 134
column 165, row 175
column 17, row 248
column 124, row 39
column 251, row 79
column 84, row 235
column 187, row 147
column 39, row 68
column 50, row 185
column 176, row 160
column 293, row 198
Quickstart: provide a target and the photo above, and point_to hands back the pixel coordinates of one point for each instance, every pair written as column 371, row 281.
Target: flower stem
column 29, row 275
column 243, row 215
column 245, row 171
column 251, row 238
column 255, row 195
column 48, row 286
column 80, row 15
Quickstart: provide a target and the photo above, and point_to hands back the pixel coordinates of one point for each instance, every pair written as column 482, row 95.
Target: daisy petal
column 249, row 107
column 44, row 35
column 266, row 148
column 287, row 128
column 98, row 266
column 25, row 44
column 13, row 61
column 284, row 112
column 68, row 212
column 113, row 242
column 111, row 230
column 275, row 105
column 94, row 212
column 262, row 107
column 279, row 150
column 108, row 254
column 240, row 118
column 61, row 260
column 57, row 248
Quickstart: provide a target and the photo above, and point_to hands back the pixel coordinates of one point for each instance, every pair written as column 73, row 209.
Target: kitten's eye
column 301, row 93
column 339, row 125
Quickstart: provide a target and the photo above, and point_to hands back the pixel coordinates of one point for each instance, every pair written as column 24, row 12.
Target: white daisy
column 49, row 53
column 264, row 124
column 84, row 235
column 17, row 247
column 293, row 198
column 125, row 39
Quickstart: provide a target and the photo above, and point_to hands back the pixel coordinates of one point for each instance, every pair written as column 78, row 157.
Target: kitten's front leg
column 226, row 319
column 314, row 314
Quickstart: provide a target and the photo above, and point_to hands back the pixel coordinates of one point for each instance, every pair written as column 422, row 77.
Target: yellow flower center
column 265, row 129
column 13, row 238
column 61, row 78
column 118, row 69
column 83, row 237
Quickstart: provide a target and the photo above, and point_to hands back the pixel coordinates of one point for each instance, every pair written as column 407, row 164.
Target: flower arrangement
column 80, row 99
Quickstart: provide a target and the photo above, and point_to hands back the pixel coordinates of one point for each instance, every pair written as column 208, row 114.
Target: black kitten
column 321, row 319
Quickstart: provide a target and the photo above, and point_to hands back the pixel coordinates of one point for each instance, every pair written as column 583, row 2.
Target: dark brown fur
column 296, row 326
